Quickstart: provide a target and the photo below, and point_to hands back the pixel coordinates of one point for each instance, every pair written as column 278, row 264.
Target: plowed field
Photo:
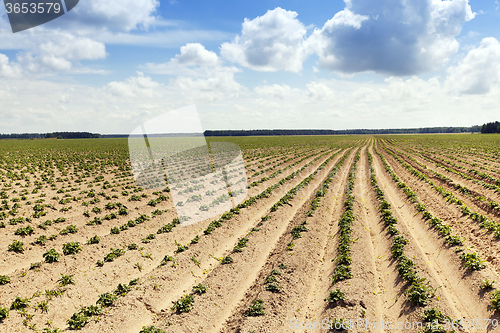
column 336, row 233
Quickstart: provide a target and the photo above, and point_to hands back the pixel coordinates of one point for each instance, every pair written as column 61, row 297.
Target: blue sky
column 109, row 66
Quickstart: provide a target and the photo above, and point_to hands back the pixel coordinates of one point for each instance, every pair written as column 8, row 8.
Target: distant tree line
column 150, row 135
column 72, row 135
column 493, row 127
column 275, row 132
column 486, row 128
column 57, row 135
column 23, row 136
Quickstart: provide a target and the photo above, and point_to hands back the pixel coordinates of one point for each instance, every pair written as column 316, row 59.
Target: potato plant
column 335, row 296
column 115, row 253
column 200, row 288
column 43, row 306
column 495, row 300
column 151, row 329
column 121, row 290
column 486, row 284
column 184, row 304
column 71, row 229
column 4, row 313
column 227, row 260
column 240, row 245
column 472, row 261
column 19, row 303
column 273, row 287
column 180, row 248
column 256, row 309
column 16, row 246
column 94, row 240
column 106, row 299
column 297, row 231
column 77, row 321
column 66, row 279
column 71, row 248
column 167, row 259
column 4, row 279
column 23, row 232
column 419, row 293
column 195, row 240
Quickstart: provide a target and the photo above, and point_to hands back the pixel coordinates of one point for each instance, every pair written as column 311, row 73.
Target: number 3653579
column 33, row 8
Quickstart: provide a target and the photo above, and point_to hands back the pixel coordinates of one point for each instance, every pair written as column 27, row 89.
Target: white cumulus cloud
column 274, row 91
column 395, row 37
column 72, row 47
column 318, row 91
column 479, row 71
column 56, row 51
column 199, row 75
column 136, row 86
column 346, row 18
column 192, row 55
column 268, row 43
column 195, row 54
column 8, row 70
column 123, row 15
column 217, row 86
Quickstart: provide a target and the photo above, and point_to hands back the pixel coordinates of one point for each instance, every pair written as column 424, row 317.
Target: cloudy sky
column 108, row 66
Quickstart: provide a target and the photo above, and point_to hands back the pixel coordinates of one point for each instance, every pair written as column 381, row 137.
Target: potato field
column 335, row 234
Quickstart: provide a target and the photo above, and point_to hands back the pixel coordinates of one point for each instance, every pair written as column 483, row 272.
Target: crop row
column 176, row 221
column 271, row 281
column 495, row 206
column 325, row 186
column 484, row 221
column 186, row 302
column 454, row 169
column 475, row 196
column 342, row 269
column 281, row 161
column 418, row 292
column 463, row 155
column 272, row 284
column 275, row 174
column 470, row 261
column 264, row 194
